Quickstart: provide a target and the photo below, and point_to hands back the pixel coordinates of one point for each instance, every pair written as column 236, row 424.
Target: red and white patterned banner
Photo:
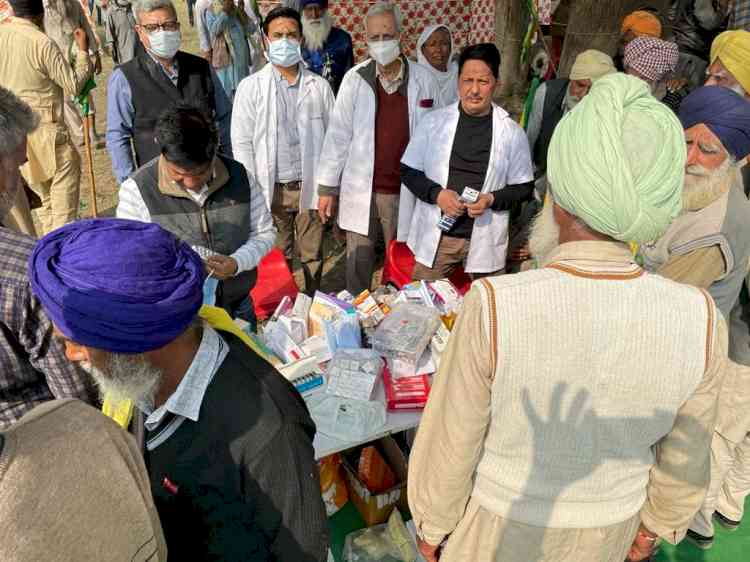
column 472, row 21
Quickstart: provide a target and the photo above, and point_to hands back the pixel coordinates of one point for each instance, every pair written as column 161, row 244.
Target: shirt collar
column 187, row 398
column 594, row 259
column 399, row 76
column 279, row 77
column 172, row 73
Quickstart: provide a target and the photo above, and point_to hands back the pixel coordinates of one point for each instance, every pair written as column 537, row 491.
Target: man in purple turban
column 227, row 440
column 708, row 246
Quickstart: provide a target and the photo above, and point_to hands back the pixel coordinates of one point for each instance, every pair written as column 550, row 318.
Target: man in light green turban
column 539, row 436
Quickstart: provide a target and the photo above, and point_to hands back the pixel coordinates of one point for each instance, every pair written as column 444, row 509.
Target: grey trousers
column 360, row 250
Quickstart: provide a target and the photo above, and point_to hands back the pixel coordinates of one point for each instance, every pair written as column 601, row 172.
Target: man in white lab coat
column 378, row 107
column 279, row 122
column 475, row 144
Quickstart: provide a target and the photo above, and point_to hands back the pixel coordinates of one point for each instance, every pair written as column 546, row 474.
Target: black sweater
column 242, row 482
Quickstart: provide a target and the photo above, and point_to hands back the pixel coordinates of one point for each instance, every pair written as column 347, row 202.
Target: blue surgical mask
column 209, row 291
column 284, row 52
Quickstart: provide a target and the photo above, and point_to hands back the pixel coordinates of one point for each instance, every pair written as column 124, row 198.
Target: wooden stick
column 90, row 159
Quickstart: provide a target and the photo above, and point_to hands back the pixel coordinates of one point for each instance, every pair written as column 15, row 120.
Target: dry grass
column 106, row 185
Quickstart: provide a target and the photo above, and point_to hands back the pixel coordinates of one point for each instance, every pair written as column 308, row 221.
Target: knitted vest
column 589, row 374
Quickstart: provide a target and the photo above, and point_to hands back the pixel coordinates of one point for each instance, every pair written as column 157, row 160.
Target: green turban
column 617, row 161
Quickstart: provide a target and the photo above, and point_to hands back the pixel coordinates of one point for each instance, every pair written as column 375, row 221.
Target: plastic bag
column 348, row 420
column 383, row 543
column 332, row 484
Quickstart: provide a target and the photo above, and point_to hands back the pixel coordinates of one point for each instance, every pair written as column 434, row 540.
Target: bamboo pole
column 90, row 159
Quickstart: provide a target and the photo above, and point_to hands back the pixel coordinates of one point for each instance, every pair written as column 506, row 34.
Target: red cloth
column 391, row 139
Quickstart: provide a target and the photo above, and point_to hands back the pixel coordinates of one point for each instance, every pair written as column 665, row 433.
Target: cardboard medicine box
column 377, row 508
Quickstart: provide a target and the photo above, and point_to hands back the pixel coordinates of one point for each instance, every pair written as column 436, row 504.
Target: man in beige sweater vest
column 591, row 443
column 73, row 486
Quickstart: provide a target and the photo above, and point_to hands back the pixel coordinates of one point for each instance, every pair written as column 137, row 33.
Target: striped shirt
column 33, row 366
column 261, row 232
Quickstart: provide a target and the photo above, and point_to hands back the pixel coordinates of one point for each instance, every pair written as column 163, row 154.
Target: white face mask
column 165, row 44
column 384, row 52
column 284, row 52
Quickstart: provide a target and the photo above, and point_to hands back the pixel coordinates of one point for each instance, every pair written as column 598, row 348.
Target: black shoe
column 704, row 543
column 725, row 522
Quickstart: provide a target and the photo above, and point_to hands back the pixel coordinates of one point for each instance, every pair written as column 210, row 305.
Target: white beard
column 545, row 233
column 129, row 377
column 701, row 187
column 316, row 32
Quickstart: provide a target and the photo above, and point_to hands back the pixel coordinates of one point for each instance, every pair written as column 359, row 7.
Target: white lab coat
column 254, row 129
column 348, row 155
column 510, row 163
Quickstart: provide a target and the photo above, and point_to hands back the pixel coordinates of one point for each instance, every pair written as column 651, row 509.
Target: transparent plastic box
column 406, row 332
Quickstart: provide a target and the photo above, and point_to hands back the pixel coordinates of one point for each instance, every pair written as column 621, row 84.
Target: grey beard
column 545, row 233
column 129, row 377
column 8, row 193
column 701, row 188
column 316, row 35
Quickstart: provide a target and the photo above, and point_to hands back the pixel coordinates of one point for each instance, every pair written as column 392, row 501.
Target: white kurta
column 254, row 129
column 510, row 163
column 348, row 157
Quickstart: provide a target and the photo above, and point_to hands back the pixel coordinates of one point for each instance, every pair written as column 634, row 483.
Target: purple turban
column 724, row 112
column 118, row 285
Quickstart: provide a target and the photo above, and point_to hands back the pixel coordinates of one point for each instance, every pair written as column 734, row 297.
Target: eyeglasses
column 165, row 26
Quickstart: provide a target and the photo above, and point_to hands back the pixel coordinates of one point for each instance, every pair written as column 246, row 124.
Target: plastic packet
column 343, row 332
column 346, row 419
column 352, row 373
column 390, row 542
column 405, row 333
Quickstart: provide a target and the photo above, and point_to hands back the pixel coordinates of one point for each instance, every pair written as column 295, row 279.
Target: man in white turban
column 594, row 445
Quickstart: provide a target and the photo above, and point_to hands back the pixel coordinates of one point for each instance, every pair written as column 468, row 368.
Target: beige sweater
column 73, row 486
column 587, row 396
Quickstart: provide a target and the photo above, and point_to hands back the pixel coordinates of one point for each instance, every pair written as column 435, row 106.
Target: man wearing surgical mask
column 159, row 77
column 278, row 125
column 378, row 106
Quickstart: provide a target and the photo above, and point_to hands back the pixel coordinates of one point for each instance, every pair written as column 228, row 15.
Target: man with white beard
column 708, row 246
column 327, row 49
column 227, row 441
column 33, row 367
column 594, row 444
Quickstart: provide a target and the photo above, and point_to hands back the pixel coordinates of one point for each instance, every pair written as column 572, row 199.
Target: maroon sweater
column 391, row 139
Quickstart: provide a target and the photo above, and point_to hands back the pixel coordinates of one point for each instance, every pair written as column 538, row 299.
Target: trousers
column 360, row 250
column 301, row 228
column 482, row 536
column 60, row 193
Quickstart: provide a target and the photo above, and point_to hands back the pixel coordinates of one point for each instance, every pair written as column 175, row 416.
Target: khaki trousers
column 484, row 537
column 19, row 217
column 360, row 250
column 301, row 227
column 451, row 253
column 731, row 501
column 59, row 194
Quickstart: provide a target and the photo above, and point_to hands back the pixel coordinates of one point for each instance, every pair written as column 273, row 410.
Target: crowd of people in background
column 609, row 238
